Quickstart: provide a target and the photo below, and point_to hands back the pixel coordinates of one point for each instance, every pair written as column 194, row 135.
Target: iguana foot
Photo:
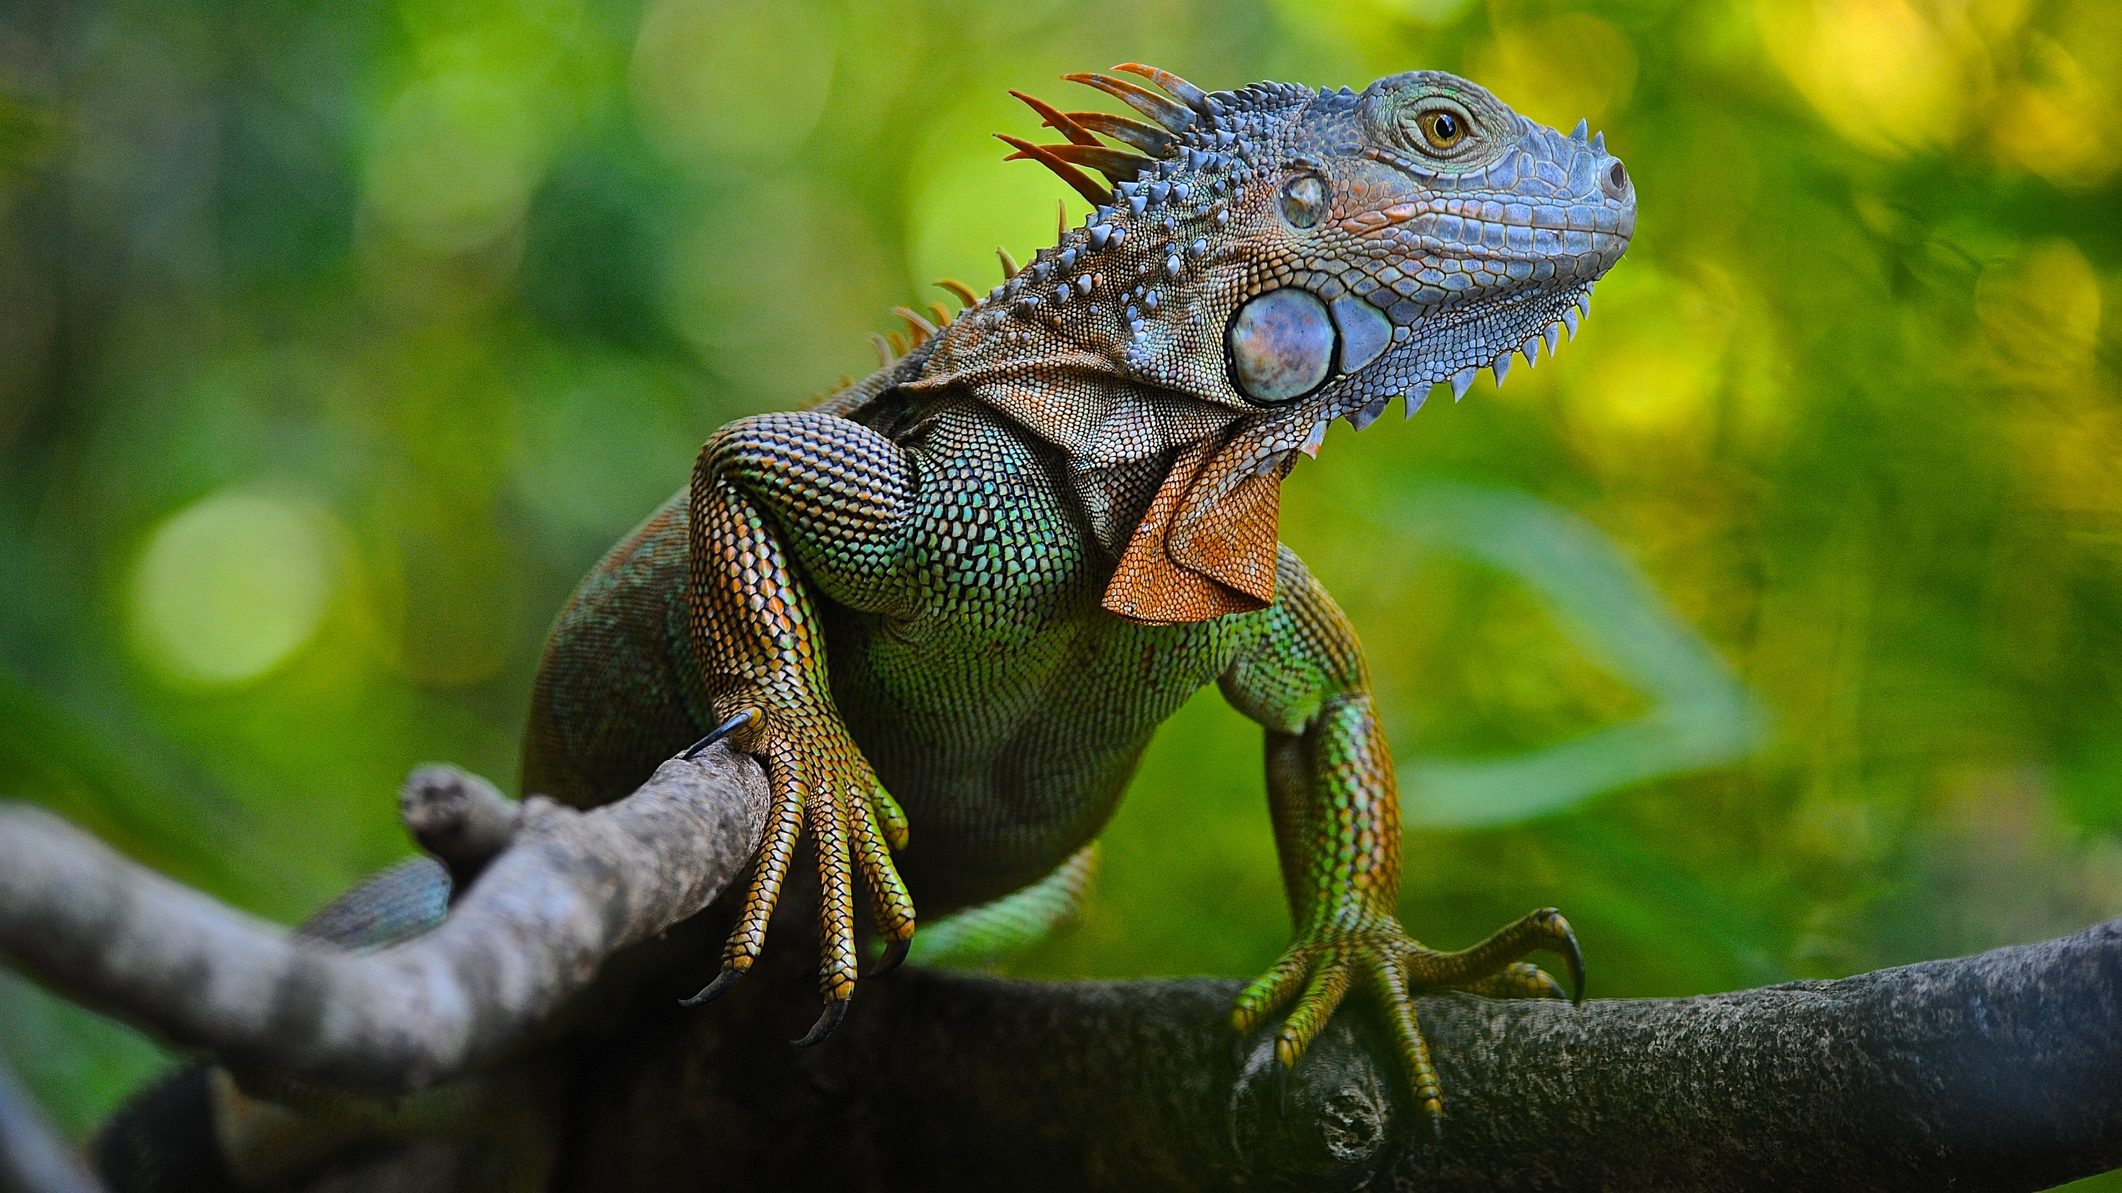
column 1377, row 952
column 820, row 783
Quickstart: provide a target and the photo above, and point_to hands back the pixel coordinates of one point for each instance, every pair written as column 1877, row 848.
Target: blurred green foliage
column 1774, row 631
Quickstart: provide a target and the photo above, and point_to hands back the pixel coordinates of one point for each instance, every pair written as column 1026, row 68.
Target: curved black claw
column 715, row 989
column 828, row 1022
column 1280, row 1077
column 1573, row 957
column 721, row 731
column 894, row 956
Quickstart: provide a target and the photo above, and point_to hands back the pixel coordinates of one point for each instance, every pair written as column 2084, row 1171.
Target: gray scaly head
column 1267, row 260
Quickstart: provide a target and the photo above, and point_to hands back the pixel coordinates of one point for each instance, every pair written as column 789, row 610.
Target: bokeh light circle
column 230, row 587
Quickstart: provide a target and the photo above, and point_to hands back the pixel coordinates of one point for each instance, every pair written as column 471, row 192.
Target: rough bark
column 460, row 819
column 2001, row 1071
column 572, row 889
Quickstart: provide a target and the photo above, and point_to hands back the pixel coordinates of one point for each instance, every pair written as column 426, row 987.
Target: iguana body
column 948, row 606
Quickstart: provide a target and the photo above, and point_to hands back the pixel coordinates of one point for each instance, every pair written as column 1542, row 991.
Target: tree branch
column 460, row 819
column 2001, row 1071
column 572, row 889
column 1991, row 1072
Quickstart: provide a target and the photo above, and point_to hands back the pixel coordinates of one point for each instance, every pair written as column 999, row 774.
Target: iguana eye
column 1303, row 200
column 1442, row 129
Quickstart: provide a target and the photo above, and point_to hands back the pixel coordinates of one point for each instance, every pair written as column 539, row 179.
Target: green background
column 1771, row 632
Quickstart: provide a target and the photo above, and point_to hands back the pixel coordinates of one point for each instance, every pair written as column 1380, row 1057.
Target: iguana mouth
column 1319, row 415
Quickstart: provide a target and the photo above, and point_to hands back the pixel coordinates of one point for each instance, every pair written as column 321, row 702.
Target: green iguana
column 949, row 604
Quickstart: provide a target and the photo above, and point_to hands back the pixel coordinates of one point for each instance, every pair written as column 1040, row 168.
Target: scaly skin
column 979, row 579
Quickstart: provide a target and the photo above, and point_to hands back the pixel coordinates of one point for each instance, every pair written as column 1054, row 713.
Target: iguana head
column 1267, row 260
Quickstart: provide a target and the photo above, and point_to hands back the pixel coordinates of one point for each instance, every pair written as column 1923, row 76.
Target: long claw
column 1573, row 957
column 894, row 956
column 1559, row 939
column 1377, row 953
column 715, row 989
column 743, row 719
column 1542, row 930
column 828, row 1022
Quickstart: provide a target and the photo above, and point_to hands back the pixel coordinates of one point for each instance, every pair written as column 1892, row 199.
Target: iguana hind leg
column 1335, row 799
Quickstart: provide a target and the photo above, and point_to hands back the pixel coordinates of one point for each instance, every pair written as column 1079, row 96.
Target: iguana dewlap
column 949, row 604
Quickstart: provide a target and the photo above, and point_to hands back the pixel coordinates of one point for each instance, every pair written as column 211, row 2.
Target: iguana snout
column 1422, row 231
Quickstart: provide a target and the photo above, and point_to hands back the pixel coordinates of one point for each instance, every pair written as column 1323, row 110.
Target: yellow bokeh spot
column 1369, row 29
column 1560, row 69
column 1890, row 75
column 2057, row 122
column 743, row 80
column 455, row 161
column 1658, row 344
column 227, row 589
column 2040, row 313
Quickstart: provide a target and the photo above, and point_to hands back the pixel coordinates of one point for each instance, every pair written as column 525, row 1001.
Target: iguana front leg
column 1337, row 828
column 784, row 508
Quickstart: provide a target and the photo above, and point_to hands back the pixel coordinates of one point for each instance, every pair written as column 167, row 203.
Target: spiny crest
column 922, row 327
column 1172, row 180
column 1140, row 145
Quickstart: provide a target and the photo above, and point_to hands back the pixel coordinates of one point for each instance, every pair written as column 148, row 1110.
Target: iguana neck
column 1111, row 494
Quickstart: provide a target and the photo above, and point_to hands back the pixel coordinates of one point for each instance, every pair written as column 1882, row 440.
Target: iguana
column 947, row 605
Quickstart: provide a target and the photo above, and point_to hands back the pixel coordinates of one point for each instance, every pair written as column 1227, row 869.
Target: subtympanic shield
column 1281, row 345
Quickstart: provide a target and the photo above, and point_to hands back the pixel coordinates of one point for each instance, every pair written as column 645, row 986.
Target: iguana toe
column 1376, row 952
column 821, row 785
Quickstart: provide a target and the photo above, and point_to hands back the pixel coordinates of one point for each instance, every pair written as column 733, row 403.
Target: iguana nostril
column 1615, row 180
